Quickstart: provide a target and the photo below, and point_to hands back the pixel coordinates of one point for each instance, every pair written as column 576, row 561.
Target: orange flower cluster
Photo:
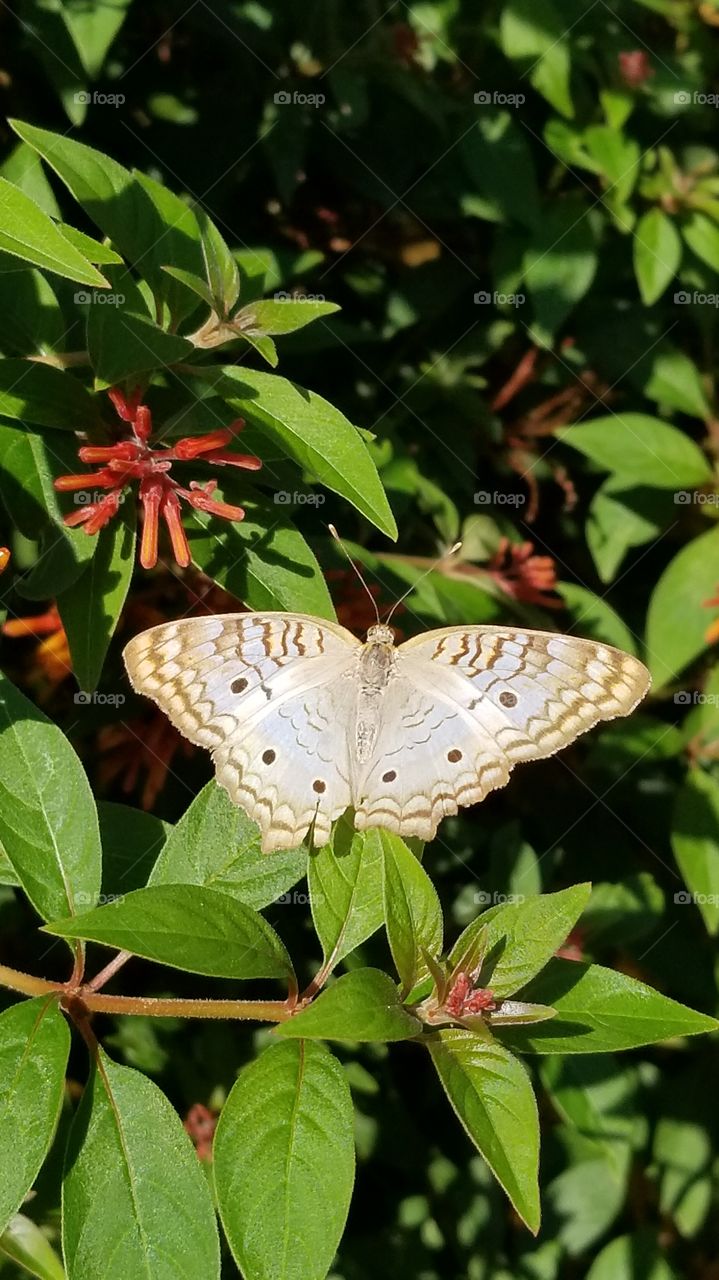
column 523, row 575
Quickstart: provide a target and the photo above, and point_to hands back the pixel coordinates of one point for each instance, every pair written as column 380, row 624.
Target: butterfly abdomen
column 376, row 668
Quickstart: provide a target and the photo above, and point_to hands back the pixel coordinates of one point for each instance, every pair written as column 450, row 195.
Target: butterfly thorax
column 376, row 666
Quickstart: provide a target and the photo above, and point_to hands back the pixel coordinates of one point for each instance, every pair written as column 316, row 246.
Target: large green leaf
column 600, row 1010
column 413, row 913
column 635, row 1257
column 491, row 1094
column 34, row 1046
column 282, row 315
column 215, row 844
column 695, row 841
column 657, row 254
column 263, row 559
column 187, row 927
column 26, row 1244
column 641, row 449
column 284, row 1202
column 677, row 620
column 154, row 1218
column 521, row 937
column 124, row 343
column 48, row 820
column 363, row 1005
column 45, row 396
column 345, row 888
column 28, row 233
column 90, row 608
column 312, row 432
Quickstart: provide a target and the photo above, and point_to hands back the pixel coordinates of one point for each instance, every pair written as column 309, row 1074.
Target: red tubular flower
column 524, row 575
column 134, row 459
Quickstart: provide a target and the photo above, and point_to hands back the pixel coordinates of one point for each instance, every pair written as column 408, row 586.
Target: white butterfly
column 303, row 720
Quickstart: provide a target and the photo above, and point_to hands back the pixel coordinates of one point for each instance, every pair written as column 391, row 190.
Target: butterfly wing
column 268, row 694
column 470, row 702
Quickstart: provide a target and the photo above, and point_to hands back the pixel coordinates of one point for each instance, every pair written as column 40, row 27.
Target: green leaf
column 282, row 315
column 534, row 31
column 559, row 265
column 284, row 1203
column 657, row 254
column 23, row 168
column 363, row 1005
column 46, row 397
column 24, row 1243
column 695, row 832
column 30, row 466
column 93, row 29
column 600, row 1098
column 187, row 927
column 123, row 344
column 223, row 277
column 509, row 189
column 48, row 820
column 90, row 609
column 312, row 432
column 155, row 1217
column 677, row 620
column 262, row 559
column 28, row 233
column 413, row 912
column 216, row 845
column 635, row 1257
column 623, row 515
column 676, row 383
column 34, row 1047
column 93, row 250
column 492, row 1097
column 594, row 617
column 522, row 937
column 599, row 1011
column 641, row 449
column 702, row 236
column 193, row 282
column 131, row 842
column 345, row 888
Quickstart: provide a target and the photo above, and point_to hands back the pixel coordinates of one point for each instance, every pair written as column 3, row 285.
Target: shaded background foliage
column 517, row 210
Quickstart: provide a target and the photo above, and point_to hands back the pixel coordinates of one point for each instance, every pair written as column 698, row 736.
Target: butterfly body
column 304, row 721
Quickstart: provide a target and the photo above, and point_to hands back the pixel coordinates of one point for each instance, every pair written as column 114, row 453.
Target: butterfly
column 303, row 720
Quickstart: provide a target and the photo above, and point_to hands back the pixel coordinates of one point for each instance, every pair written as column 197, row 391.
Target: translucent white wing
column 268, row 694
column 469, row 702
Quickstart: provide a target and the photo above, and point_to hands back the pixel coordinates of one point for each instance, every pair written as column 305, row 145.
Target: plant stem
column 110, row 969
column 27, row 983
column 151, row 1006
column 63, row 360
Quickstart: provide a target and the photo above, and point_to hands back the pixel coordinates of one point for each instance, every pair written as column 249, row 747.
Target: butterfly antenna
column 445, row 556
column 337, row 539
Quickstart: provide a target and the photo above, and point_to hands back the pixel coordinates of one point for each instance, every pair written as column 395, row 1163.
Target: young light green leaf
column 193, row 282
column 262, row 559
column 90, row 608
column 28, row 233
column 413, row 913
column 345, row 889
column 34, row 1047
column 702, row 235
column 155, row 1216
column 522, row 937
column 284, row 1203
column 657, row 254
column 695, row 841
column 363, row 1005
column 601, row 1010
column 314, row 433
column 47, row 397
column 187, row 927
column 635, row 1257
column 677, row 619
column 216, row 845
column 640, row 448
column 25, row 1244
column 223, row 277
column 492, row 1097
column 282, row 315
column 48, row 820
